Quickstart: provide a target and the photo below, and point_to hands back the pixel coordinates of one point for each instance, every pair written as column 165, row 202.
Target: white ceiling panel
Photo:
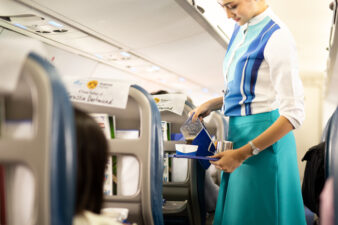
column 68, row 65
column 170, row 34
column 198, row 57
column 91, row 45
column 10, row 8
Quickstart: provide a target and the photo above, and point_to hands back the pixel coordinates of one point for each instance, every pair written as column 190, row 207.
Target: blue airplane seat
column 156, row 160
column 329, row 134
column 63, row 150
column 332, row 155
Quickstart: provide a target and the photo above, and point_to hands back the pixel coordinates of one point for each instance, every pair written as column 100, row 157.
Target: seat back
column 141, row 113
column 49, row 152
column 217, row 125
column 331, row 140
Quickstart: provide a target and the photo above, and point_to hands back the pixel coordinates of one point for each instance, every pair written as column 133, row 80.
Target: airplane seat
column 190, row 104
column 156, row 161
column 46, row 149
column 141, row 114
column 332, row 155
column 63, row 155
column 328, row 137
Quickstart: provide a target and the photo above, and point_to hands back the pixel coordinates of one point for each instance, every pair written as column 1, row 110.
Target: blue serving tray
column 192, row 157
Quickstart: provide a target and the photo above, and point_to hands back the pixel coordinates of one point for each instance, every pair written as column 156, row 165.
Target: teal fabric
column 265, row 189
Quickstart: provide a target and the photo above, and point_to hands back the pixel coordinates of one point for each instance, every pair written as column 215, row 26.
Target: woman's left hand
column 228, row 161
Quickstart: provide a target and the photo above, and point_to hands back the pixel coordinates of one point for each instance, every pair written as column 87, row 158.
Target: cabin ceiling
column 310, row 22
column 173, row 35
column 170, row 34
column 149, row 26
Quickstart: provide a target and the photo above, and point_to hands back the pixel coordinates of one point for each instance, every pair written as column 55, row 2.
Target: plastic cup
column 182, row 149
column 119, row 214
column 191, row 129
column 222, row 145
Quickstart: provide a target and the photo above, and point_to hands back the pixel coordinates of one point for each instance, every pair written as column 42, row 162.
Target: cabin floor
column 209, row 218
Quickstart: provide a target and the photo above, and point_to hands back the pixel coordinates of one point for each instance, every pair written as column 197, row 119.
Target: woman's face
column 241, row 10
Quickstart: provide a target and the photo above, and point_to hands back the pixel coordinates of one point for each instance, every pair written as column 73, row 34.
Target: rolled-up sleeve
column 281, row 56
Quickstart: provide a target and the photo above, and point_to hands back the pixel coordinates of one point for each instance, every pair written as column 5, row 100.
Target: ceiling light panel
column 37, row 24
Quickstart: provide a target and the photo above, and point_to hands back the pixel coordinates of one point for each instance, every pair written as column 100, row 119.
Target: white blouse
column 261, row 70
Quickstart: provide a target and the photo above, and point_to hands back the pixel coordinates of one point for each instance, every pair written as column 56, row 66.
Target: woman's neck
column 261, row 8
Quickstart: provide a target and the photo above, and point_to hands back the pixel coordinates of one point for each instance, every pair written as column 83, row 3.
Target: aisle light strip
column 20, row 25
column 99, row 56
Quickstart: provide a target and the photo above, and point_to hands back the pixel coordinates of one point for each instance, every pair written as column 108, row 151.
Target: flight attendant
column 263, row 97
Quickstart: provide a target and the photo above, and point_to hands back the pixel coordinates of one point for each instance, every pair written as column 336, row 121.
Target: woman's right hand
column 205, row 109
column 200, row 111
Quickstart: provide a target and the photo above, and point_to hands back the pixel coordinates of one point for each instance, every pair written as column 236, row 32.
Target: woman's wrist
column 245, row 152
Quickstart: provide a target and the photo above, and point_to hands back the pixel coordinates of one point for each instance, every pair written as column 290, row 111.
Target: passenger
column 92, row 155
column 264, row 101
column 327, row 216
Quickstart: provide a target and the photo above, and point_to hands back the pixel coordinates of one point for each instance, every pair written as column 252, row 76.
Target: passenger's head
column 242, row 11
column 159, row 92
column 92, row 152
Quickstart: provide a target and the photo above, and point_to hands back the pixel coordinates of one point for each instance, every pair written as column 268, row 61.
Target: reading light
column 55, row 24
column 205, row 90
column 125, row 54
column 181, row 79
column 133, row 69
column 163, row 80
column 99, row 56
column 153, row 69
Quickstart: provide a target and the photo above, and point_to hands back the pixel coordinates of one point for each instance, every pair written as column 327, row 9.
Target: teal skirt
column 265, row 189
